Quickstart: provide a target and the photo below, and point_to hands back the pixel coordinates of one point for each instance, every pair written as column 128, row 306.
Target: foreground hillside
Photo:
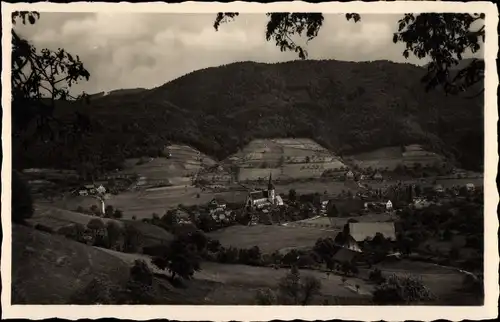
column 48, row 269
column 347, row 107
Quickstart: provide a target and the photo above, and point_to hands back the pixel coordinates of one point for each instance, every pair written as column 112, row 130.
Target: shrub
column 22, row 201
column 141, row 273
column 397, row 290
column 115, row 234
column 97, row 291
column 265, row 297
column 376, row 276
column 118, row 214
column 295, row 290
column 133, row 239
column 108, row 211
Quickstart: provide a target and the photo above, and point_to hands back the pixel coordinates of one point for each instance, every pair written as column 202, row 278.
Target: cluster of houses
column 350, row 175
column 90, row 189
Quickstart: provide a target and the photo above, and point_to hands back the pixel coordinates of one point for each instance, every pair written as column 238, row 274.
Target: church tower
column 270, row 190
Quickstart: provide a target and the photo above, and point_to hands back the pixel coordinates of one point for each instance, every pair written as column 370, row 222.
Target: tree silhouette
column 39, row 78
column 443, row 37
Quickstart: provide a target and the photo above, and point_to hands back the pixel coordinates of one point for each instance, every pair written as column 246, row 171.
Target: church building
column 259, row 199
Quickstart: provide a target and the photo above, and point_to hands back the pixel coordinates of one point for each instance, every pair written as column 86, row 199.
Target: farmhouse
column 217, row 203
column 378, row 176
column 345, row 255
column 349, row 175
column 361, row 231
column 388, row 205
column 470, row 187
column 262, row 198
column 439, row 188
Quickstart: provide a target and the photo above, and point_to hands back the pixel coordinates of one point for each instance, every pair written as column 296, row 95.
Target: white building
column 262, row 198
column 388, row 205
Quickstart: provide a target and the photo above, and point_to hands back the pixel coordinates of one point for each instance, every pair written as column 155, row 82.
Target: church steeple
column 270, row 185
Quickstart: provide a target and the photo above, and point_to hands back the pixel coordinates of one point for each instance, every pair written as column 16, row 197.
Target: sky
column 146, row 50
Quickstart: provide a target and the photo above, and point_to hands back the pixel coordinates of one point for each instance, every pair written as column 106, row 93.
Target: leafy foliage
column 401, row 290
column 295, row 290
column 39, row 79
column 182, row 257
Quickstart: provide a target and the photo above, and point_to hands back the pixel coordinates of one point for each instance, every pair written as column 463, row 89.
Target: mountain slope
column 345, row 106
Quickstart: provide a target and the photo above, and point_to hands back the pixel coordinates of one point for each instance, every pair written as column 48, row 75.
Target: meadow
column 270, row 238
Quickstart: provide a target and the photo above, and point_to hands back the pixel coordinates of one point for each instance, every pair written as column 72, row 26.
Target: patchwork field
column 284, row 158
column 178, row 169
column 269, row 238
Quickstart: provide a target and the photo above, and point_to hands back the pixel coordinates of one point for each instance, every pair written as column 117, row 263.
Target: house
column 420, row 203
column 378, row 176
column 349, row 175
column 101, row 190
column 438, row 188
column 263, row 198
column 388, row 205
column 344, row 255
column 351, row 244
column 217, row 203
column 470, row 187
column 361, row 231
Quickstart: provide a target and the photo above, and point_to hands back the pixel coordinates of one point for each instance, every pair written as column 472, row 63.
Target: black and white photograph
column 262, row 155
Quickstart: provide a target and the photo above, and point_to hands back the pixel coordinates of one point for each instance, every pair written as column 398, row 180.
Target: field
column 339, row 222
column 237, row 284
column 269, row 238
column 178, row 169
column 55, row 218
column 284, row 158
column 391, row 157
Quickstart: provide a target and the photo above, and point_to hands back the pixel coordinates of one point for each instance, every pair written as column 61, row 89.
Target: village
column 370, row 222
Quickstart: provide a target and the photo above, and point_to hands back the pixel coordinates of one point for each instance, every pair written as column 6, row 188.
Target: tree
column 397, row 290
column 265, row 297
column 109, row 211
column 115, row 234
column 170, row 220
column 118, row 214
column 183, row 260
column 443, row 37
column 292, row 195
column 294, row 290
column 40, row 78
column 141, row 272
column 133, row 239
column 22, row 201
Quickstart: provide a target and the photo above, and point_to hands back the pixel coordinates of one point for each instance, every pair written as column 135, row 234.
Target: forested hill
column 346, row 106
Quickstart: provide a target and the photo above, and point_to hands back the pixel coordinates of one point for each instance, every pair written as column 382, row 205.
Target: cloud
column 128, row 50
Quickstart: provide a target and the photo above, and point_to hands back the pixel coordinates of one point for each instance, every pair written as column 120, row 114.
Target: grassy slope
column 48, row 269
column 347, row 107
